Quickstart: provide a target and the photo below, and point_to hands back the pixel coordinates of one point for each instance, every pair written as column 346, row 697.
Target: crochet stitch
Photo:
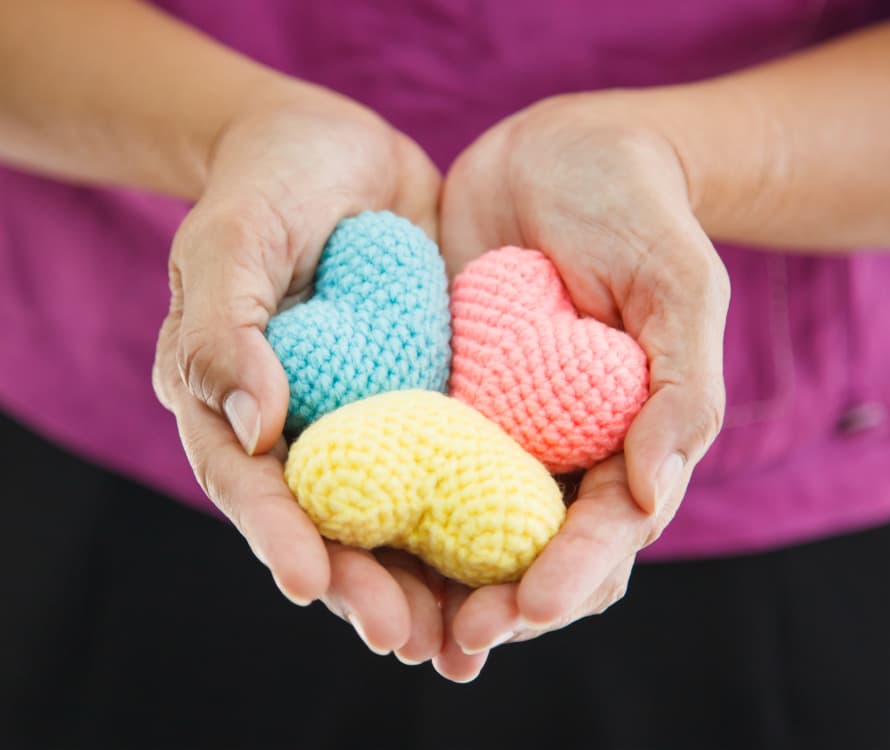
column 564, row 387
column 378, row 320
column 425, row 473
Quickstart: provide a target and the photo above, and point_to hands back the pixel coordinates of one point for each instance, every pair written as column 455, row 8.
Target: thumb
column 225, row 299
column 668, row 438
column 683, row 337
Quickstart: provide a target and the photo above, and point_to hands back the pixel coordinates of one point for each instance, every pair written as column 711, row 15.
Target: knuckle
column 587, row 538
column 159, row 384
column 160, row 368
column 636, row 146
column 234, row 231
column 220, row 227
column 208, row 477
column 177, row 252
column 199, row 460
column 254, row 229
column 710, row 416
column 651, row 534
column 720, row 281
column 715, row 413
column 608, row 486
column 612, row 595
column 222, row 240
column 193, row 357
column 620, row 590
column 201, row 469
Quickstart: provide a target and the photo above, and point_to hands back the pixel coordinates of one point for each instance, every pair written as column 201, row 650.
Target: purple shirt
column 804, row 453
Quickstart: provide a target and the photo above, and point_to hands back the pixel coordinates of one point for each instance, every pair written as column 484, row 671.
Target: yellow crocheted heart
column 425, row 473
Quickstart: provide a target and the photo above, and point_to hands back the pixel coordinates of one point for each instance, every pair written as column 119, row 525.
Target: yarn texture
column 425, row 473
column 378, row 320
column 565, row 387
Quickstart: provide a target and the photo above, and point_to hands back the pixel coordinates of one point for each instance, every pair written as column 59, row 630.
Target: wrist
column 627, row 134
column 730, row 148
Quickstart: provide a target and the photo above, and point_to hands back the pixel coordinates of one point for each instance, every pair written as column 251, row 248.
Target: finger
column 451, row 662
column 425, row 639
column 602, row 528
column 251, row 492
column 585, row 257
column 667, row 439
column 683, row 337
column 436, row 583
column 227, row 280
column 368, row 597
column 489, row 617
column 279, row 450
column 164, row 379
column 611, row 591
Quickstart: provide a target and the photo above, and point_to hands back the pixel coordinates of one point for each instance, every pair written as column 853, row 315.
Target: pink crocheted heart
column 565, row 387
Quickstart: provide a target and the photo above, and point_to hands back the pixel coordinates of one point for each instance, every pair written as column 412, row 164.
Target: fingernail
column 361, row 634
column 293, row 598
column 536, row 626
column 408, row 662
column 502, row 638
column 299, row 601
column 667, row 479
column 243, row 414
column 460, row 681
column 466, row 680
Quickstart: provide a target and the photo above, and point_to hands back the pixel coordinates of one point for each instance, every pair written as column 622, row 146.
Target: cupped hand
column 592, row 182
column 283, row 172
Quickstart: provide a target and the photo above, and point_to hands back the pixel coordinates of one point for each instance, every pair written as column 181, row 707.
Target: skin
column 609, row 206
column 621, row 189
column 254, row 237
column 273, row 164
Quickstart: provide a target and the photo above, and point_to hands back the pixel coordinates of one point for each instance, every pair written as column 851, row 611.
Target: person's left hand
column 592, row 182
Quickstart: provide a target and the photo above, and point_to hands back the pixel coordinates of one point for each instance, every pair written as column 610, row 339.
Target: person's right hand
column 282, row 174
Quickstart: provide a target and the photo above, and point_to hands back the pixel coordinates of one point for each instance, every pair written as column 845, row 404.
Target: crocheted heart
column 378, row 320
column 564, row 387
column 423, row 472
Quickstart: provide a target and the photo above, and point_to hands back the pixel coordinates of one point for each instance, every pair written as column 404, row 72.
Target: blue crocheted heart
column 378, row 320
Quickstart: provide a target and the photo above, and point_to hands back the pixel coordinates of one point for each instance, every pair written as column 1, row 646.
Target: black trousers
column 127, row 621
